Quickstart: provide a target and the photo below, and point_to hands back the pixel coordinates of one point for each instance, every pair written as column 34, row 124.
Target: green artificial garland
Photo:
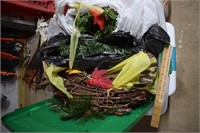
column 80, row 109
column 85, row 23
column 87, row 47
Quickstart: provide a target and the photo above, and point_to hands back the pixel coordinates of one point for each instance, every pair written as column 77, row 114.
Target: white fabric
column 135, row 16
column 140, row 15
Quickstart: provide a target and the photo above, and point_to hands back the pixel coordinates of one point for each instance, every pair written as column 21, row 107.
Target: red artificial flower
column 98, row 18
column 99, row 79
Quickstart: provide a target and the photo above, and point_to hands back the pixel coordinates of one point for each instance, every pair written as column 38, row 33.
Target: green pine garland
column 86, row 47
column 77, row 109
column 63, row 49
column 85, row 23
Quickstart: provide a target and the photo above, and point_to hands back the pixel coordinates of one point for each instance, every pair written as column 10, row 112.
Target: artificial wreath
column 92, row 74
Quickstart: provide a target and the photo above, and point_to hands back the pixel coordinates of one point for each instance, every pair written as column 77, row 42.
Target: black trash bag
column 57, row 60
column 11, row 47
column 50, row 53
column 102, row 60
column 89, row 62
column 152, row 41
column 124, row 39
column 120, row 38
column 10, row 53
column 58, row 38
column 155, row 39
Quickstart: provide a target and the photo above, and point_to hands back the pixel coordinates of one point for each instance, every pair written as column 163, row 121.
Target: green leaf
column 74, row 40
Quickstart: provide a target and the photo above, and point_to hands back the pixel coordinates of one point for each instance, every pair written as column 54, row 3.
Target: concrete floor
column 183, row 111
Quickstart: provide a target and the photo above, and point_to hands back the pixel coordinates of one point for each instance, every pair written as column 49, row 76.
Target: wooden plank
column 22, row 85
column 159, row 100
column 22, row 88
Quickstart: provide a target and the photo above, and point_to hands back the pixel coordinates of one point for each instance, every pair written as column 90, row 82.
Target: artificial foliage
column 99, row 79
column 86, row 26
column 63, row 49
column 83, row 96
column 80, row 109
column 91, row 46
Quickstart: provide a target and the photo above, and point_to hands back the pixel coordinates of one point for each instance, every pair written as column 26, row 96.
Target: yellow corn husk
column 128, row 86
column 151, row 88
column 119, row 66
column 137, row 80
column 74, row 39
column 99, row 9
column 57, row 81
column 73, row 71
column 133, row 67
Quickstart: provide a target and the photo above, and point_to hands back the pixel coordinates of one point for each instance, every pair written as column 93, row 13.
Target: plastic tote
column 39, row 118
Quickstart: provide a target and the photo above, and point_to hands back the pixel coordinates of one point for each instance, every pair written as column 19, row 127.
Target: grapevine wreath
column 95, row 68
